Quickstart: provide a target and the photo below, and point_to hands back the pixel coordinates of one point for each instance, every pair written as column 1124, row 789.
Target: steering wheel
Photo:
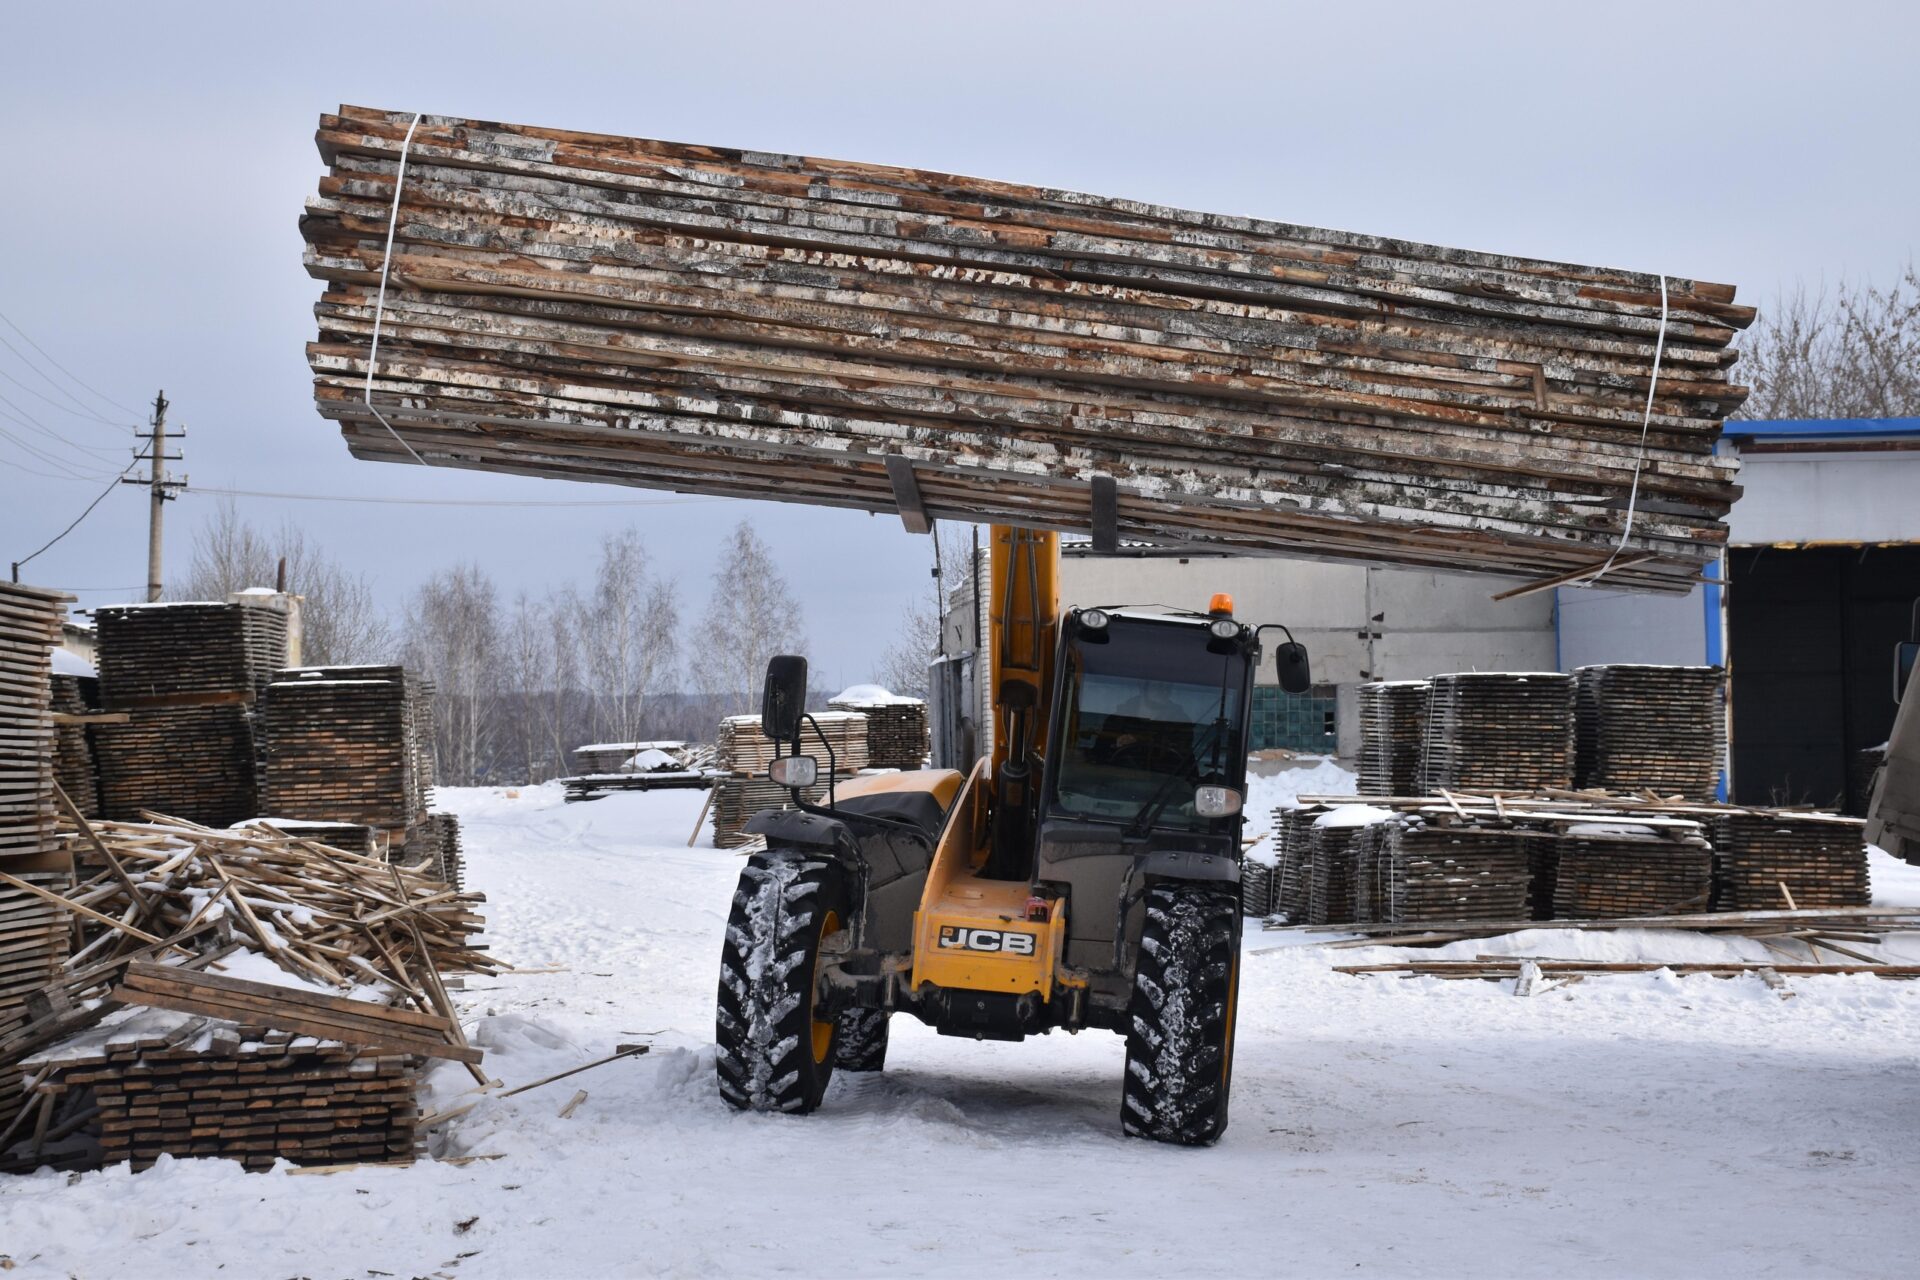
column 1150, row 755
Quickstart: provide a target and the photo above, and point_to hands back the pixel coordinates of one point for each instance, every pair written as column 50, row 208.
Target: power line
column 111, row 486
column 60, row 464
column 452, row 502
column 26, row 419
column 27, row 338
column 81, row 412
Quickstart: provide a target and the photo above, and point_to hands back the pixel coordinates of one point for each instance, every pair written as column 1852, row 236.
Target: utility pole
column 162, row 488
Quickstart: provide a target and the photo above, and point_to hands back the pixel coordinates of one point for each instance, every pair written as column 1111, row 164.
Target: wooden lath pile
column 1769, row 859
column 1256, row 889
column 1293, row 861
column 30, row 619
column 897, row 734
column 343, row 744
column 357, row 944
column 1662, row 728
column 73, row 763
column 238, row 1092
column 744, row 754
column 1499, row 730
column 187, row 676
column 1331, row 871
column 1393, row 725
column 772, row 326
column 1430, row 872
column 433, row 848
column 1607, row 869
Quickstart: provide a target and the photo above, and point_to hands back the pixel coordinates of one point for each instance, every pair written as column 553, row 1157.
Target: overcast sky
column 155, row 158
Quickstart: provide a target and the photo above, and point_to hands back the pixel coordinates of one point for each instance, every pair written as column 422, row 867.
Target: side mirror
column 783, row 699
column 1295, row 676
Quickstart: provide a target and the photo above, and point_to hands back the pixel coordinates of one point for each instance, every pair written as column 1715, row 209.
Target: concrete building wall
column 1622, row 626
column 1866, row 496
column 1357, row 623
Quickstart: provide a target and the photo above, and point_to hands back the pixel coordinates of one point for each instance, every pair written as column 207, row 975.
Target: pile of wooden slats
column 1506, row 730
column 1393, row 726
column 360, row 943
column 1332, row 867
column 774, row 326
column 187, row 676
column 1606, row 869
column 433, row 848
column 1293, row 861
column 744, row 754
column 30, row 619
column 1429, row 872
column 1256, row 889
column 343, row 744
column 618, row 757
column 1768, row 859
column 1661, row 728
column 368, row 842
column 897, row 735
column 73, row 762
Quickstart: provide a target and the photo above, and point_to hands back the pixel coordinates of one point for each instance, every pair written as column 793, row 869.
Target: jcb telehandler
column 1085, row 875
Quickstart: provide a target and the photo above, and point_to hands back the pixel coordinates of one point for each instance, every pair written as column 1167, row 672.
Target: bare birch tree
column 750, row 616
column 903, row 667
column 453, row 638
column 340, row 621
column 629, row 632
column 1854, row 353
column 527, row 670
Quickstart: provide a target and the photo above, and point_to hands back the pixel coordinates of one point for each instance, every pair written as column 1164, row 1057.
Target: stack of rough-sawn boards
column 744, row 753
column 741, row 323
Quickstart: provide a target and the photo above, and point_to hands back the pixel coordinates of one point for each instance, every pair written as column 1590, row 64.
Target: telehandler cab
column 1086, row 874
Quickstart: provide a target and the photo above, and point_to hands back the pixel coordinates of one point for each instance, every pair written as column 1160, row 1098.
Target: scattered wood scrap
column 1493, row 970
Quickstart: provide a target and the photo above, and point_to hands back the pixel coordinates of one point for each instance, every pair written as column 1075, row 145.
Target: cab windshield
column 1149, row 716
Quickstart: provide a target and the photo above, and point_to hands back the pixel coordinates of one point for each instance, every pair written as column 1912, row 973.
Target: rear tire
column 1185, row 988
column 773, row 1054
column 863, row 1040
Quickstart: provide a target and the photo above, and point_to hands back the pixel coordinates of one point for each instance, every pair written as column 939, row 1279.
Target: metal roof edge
column 1821, row 428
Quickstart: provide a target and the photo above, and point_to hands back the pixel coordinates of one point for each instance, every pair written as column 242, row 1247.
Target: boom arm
column 1024, row 614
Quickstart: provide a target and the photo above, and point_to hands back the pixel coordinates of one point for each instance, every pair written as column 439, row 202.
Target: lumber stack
column 1256, row 888
column 187, row 675
column 739, row 323
column 1602, row 870
column 1393, row 722
column 1432, row 873
column 73, row 764
column 33, row 944
column 1330, row 877
column 1293, row 861
column 743, row 755
column 1764, row 859
column 1650, row 728
column 240, row 1093
column 628, row 757
column 433, row 848
column 30, row 619
column 897, row 733
column 1499, row 730
column 343, row 744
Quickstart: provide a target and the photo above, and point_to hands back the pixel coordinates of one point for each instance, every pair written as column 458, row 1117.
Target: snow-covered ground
column 1624, row 1126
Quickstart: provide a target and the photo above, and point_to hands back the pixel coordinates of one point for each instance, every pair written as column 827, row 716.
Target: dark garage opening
column 1811, row 635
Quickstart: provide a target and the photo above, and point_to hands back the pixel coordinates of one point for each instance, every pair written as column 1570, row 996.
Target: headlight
column 1216, row 802
column 793, row 771
column 1093, row 619
column 1225, row 628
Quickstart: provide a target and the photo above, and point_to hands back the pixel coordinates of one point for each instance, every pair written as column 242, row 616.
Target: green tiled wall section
column 1297, row 721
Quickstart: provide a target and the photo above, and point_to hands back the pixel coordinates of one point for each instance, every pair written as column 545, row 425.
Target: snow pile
column 68, row 663
column 870, row 695
column 1353, row 815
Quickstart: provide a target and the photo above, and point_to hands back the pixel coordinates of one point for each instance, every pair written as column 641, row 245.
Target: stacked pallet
column 433, row 846
column 1769, row 859
column 1602, row 870
column 1393, row 722
column 1331, row 875
column 743, row 754
column 33, row 945
column 73, row 765
column 343, row 745
column 620, row 757
column 1293, row 861
column 1499, row 730
column 897, row 734
column 1650, row 728
column 1433, row 873
column 30, row 619
column 187, row 676
column 739, row 323
column 236, row 1092
column 1256, row 888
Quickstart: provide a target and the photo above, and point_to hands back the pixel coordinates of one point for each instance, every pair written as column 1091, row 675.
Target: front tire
column 774, row 1053
column 1180, row 1041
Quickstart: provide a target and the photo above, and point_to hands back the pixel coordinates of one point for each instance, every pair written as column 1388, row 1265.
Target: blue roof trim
column 1822, row 429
